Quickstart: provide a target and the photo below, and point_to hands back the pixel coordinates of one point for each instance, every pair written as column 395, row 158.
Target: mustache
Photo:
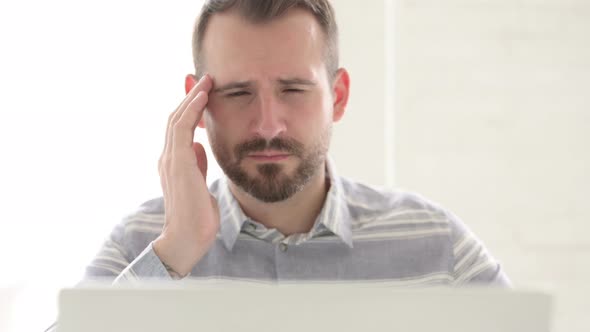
column 260, row 144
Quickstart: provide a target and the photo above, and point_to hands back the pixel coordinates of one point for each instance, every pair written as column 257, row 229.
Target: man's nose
column 269, row 122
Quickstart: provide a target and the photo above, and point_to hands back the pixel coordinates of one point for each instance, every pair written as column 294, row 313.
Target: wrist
column 173, row 274
column 173, row 259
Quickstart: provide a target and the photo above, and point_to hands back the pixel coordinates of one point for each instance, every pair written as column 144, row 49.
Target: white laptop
column 252, row 307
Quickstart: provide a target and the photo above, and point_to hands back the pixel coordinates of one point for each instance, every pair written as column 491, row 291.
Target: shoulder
column 139, row 227
column 149, row 212
column 406, row 215
column 366, row 202
column 129, row 237
column 379, row 209
column 152, row 206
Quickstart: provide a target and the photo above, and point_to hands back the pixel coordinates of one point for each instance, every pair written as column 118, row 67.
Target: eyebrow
column 233, row 85
column 248, row 84
column 296, row 81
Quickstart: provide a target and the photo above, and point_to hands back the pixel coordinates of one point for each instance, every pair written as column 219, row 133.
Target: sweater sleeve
column 127, row 254
column 473, row 264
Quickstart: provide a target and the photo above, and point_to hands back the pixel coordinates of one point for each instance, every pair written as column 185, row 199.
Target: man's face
column 271, row 108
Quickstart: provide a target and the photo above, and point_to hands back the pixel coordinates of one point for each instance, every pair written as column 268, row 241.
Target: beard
column 272, row 183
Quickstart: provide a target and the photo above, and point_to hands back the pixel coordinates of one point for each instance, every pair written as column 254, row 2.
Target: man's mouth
column 269, row 156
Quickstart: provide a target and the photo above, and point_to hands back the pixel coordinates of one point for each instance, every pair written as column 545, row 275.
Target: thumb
column 201, row 158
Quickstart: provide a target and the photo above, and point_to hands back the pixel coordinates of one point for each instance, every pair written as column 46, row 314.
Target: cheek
column 211, row 126
column 312, row 115
column 221, row 128
column 215, row 119
column 224, row 114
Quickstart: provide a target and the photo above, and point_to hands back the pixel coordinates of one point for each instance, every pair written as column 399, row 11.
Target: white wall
column 493, row 121
column 361, row 147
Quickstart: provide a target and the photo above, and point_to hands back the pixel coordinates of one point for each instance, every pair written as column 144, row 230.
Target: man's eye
column 238, row 94
column 293, row 90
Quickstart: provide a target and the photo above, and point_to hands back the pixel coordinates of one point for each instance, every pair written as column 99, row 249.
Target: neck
column 295, row 215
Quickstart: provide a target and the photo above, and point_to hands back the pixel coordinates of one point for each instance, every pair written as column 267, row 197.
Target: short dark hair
column 260, row 11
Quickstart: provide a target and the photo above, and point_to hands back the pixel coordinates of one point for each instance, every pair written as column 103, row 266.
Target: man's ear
column 189, row 82
column 340, row 91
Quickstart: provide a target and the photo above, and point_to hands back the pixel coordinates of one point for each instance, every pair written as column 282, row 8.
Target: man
column 267, row 89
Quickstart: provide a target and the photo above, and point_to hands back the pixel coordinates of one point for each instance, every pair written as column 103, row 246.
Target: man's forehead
column 285, row 46
column 294, row 18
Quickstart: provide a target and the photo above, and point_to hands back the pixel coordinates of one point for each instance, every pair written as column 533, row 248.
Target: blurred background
column 482, row 106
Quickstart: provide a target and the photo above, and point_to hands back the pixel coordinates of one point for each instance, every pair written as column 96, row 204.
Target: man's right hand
column 191, row 212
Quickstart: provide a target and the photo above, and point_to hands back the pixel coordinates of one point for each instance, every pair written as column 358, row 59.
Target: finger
column 168, row 136
column 166, row 139
column 182, row 131
column 204, row 84
column 171, row 117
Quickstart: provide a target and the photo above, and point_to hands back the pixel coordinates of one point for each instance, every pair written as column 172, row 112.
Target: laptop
column 249, row 307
